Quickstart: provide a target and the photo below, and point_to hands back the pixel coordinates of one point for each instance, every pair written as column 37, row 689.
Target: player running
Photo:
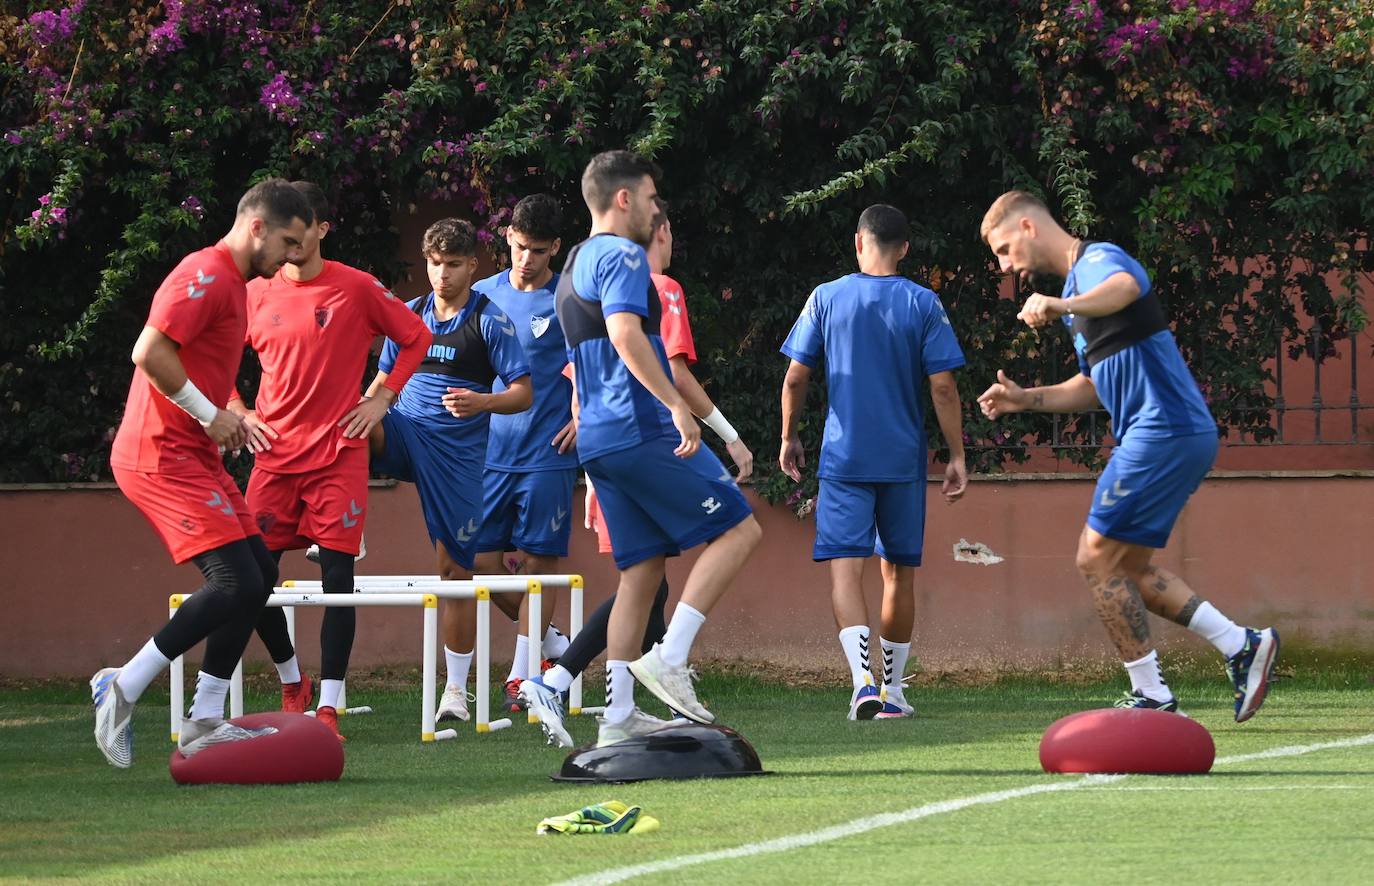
column 312, row 326
column 640, row 444
column 545, row 693
column 167, row 459
column 531, row 460
column 435, row 435
column 1166, row 443
column 881, row 335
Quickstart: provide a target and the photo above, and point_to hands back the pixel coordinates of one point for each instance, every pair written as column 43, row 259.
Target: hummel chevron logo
column 197, row 289
column 504, row 322
column 215, row 502
column 382, row 286
column 350, row 517
column 632, row 262
column 556, row 523
column 466, row 533
column 711, row 505
column 1114, row 495
column 202, row 279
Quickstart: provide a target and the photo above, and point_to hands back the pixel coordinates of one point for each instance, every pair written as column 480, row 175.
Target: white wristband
column 196, row 404
column 718, row 423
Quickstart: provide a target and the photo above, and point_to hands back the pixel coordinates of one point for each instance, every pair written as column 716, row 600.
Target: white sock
column 520, row 665
column 558, row 678
column 555, row 643
column 209, row 700
column 854, row 642
column 330, row 690
column 1146, row 678
column 894, row 661
column 289, row 671
column 141, row 670
column 620, row 692
column 1208, row 623
column 682, row 631
column 458, row 663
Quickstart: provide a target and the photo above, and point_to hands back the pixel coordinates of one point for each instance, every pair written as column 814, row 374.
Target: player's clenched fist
column 1003, row 397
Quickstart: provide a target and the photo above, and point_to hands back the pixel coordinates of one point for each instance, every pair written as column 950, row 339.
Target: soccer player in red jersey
column 167, row 460
column 312, row 326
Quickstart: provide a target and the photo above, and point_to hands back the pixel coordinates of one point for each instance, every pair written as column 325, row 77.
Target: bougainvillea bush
column 1228, row 143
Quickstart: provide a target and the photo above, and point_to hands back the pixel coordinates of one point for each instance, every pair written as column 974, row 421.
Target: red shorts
column 192, row 512
column 324, row 506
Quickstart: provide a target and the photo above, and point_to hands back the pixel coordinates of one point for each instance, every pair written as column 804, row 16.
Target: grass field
column 961, row 783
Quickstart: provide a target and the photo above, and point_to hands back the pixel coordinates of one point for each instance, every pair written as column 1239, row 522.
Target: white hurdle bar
column 530, row 584
column 429, row 601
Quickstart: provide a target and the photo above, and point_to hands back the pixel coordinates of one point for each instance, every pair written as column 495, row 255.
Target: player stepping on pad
column 330, row 718
column 114, row 730
column 1250, row 668
column 671, row 685
column 1136, row 700
column 197, row 735
column 453, row 704
column 865, row 703
column 633, row 726
column 546, row 704
column 296, row 697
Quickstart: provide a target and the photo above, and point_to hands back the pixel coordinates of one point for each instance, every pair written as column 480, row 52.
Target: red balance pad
column 1127, row 740
column 300, row 750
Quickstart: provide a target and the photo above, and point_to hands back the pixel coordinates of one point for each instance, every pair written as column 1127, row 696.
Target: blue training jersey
column 607, row 275
column 522, row 442
column 1145, row 387
column 881, row 337
column 480, row 341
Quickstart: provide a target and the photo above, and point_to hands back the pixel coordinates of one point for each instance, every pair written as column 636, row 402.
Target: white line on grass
column 888, row 819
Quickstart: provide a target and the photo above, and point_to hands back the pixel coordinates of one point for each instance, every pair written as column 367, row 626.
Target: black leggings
column 338, row 628
column 238, row 578
column 591, row 640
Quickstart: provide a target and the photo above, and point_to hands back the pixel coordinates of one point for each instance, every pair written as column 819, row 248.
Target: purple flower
column 14, row 138
column 166, row 37
column 279, row 100
column 193, row 206
column 48, row 27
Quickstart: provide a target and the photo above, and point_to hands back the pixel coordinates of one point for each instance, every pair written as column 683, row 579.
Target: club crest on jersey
column 322, row 316
column 539, row 325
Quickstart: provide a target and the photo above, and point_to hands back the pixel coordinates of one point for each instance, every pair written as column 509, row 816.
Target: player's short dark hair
column 660, row 214
column 449, row 236
column 886, row 224
column 277, row 201
column 538, row 216
column 319, row 203
column 610, row 171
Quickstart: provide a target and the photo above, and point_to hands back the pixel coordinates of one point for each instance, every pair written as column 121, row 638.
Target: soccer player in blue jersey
column 660, row 491
column 435, row 435
column 881, row 336
column 1166, row 443
column 531, row 460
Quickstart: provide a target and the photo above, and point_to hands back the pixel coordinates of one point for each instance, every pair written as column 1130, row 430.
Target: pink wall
column 86, row 581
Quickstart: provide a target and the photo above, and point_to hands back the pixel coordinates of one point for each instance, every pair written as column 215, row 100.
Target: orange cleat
column 330, row 718
column 296, row 697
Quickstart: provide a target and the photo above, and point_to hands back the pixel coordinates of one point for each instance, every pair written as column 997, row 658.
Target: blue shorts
column 856, row 519
column 1145, row 486
column 528, row 511
column 656, row 503
column 448, row 477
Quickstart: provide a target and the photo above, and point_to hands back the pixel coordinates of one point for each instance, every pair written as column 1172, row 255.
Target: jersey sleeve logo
column 539, row 325
column 630, row 258
column 504, row 323
column 199, row 287
column 382, row 286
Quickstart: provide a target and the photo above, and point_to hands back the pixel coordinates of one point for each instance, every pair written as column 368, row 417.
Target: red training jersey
column 313, row 338
column 200, row 306
column 674, row 329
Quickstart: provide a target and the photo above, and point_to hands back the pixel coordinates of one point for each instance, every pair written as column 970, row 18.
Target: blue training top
column 1145, row 385
column 882, row 337
column 522, row 442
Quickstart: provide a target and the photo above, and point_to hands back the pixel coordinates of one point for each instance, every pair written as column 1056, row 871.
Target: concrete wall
column 85, row 581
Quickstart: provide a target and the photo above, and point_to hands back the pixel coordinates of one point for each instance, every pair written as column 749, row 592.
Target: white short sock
column 620, row 692
column 1208, row 623
column 330, row 690
column 682, row 632
column 458, row 664
column 1146, row 678
column 289, row 671
column 555, row 643
column 141, row 670
column 209, row 700
column 558, row 678
column 520, row 665
column 854, row 642
column 894, row 661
